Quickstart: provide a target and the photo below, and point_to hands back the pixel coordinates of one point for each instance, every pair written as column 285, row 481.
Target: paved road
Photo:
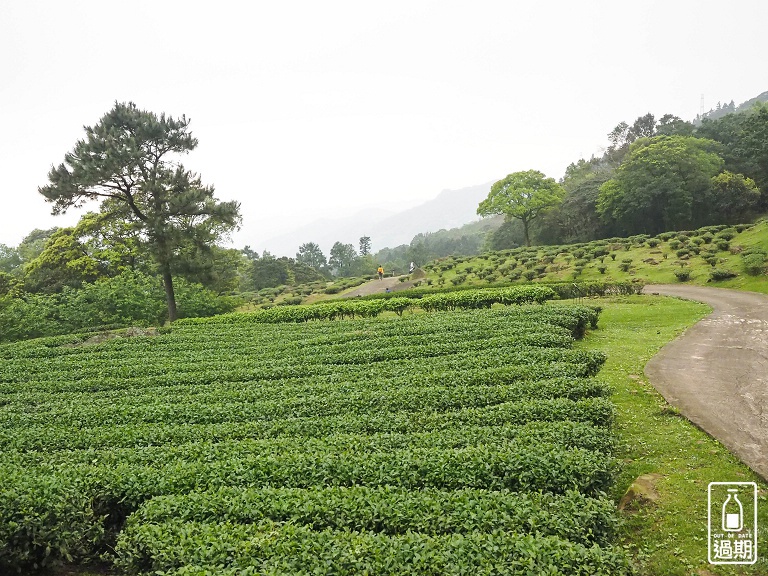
column 375, row 286
column 716, row 373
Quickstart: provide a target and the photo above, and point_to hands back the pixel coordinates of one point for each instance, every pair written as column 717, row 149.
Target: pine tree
column 128, row 162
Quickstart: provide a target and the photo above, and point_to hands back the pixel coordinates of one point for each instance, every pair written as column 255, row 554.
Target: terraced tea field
column 447, row 442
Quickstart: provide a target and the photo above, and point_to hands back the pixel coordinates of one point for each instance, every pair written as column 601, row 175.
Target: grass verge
column 668, row 536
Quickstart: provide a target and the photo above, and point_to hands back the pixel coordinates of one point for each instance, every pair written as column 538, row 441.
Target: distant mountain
column 450, row 209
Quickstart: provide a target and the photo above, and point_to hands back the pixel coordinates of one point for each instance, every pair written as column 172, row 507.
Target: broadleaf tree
column 524, row 196
column 129, row 161
column 342, row 258
column 311, row 255
column 663, row 184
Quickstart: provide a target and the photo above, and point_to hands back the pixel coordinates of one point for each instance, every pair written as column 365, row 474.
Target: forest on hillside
column 659, row 175
column 121, row 266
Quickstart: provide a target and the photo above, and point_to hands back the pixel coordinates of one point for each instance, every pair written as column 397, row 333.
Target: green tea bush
column 625, row 264
column 753, row 262
column 720, row 274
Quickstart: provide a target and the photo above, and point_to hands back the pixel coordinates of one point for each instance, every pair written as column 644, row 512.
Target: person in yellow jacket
column 381, row 272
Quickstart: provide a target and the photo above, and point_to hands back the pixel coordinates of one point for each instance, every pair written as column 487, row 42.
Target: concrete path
column 376, row 286
column 716, row 373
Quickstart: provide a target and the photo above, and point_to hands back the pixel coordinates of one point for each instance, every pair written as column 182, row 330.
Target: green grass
column 670, row 536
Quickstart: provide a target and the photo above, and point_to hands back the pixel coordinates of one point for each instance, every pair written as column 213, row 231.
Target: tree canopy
column 342, row 258
column 664, row 184
column 522, row 195
column 129, row 161
column 311, row 255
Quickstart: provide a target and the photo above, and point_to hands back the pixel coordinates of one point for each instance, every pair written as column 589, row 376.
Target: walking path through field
column 716, row 373
column 375, row 286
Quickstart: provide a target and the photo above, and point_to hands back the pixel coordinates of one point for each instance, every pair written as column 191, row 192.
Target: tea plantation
column 466, row 441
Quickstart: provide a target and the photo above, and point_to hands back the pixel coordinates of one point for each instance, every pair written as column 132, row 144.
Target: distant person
column 411, row 268
column 380, row 271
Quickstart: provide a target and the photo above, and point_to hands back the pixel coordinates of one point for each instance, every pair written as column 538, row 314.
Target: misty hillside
column 450, row 209
column 723, row 109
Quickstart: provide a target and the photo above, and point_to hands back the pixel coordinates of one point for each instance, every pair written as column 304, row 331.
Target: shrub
column 529, row 275
column 720, row 274
column 613, row 256
column 727, row 234
column 723, row 245
column 625, row 265
column 291, row 301
column 683, row 275
column 653, row 242
column 753, row 263
column 601, row 269
column 675, row 244
column 682, row 252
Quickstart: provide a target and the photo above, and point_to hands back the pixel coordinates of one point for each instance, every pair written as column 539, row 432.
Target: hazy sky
column 309, row 109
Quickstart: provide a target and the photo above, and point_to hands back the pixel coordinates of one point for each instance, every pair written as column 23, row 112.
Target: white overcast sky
column 307, row 109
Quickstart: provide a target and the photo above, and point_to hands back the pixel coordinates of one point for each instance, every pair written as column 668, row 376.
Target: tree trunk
column 169, row 294
column 525, row 231
column 163, row 259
